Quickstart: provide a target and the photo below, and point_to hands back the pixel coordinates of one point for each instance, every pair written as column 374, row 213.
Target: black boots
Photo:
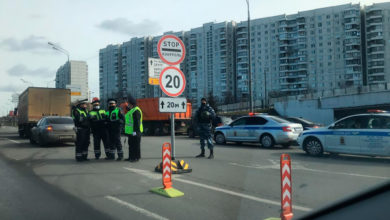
column 201, row 154
column 211, row 154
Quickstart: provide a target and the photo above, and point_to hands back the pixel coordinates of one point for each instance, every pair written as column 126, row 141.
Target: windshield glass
column 60, row 121
column 278, row 119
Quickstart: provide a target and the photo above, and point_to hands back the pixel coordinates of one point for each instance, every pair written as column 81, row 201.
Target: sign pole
column 173, row 135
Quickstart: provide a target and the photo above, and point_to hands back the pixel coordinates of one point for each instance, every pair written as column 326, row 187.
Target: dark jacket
column 137, row 121
column 205, row 114
column 97, row 122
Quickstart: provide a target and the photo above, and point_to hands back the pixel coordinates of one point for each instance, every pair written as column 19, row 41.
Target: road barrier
column 177, row 167
column 286, row 185
column 167, row 189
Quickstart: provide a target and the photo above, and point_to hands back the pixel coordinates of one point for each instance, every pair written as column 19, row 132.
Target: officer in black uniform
column 115, row 120
column 82, row 126
column 98, row 119
column 204, row 116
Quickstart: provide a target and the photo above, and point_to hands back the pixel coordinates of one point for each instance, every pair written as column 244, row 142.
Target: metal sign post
column 173, row 135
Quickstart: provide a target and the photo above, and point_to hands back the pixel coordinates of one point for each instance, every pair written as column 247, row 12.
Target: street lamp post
column 56, row 47
column 249, row 62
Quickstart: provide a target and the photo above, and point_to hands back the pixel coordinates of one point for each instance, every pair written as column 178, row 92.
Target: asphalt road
column 241, row 182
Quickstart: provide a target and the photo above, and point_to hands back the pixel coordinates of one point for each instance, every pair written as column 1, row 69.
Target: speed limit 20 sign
column 172, row 81
column 171, row 49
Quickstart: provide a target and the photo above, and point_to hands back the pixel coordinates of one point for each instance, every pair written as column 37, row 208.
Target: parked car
column 53, row 129
column 265, row 129
column 365, row 134
column 192, row 130
column 306, row 124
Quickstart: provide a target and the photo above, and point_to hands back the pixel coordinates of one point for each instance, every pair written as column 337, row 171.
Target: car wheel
column 267, row 141
column 220, row 138
column 41, row 142
column 32, row 141
column 313, row 147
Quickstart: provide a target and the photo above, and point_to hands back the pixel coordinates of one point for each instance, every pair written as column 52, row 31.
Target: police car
column 266, row 129
column 365, row 134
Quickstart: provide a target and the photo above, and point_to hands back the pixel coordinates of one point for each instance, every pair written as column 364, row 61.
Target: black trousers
column 115, row 141
column 135, row 147
column 82, row 143
column 99, row 135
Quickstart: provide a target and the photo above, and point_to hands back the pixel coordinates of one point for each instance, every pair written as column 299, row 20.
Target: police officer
column 204, row 117
column 98, row 120
column 80, row 118
column 133, row 129
column 115, row 120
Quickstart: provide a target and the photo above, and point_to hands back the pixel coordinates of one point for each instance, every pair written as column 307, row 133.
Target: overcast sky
column 84, row 26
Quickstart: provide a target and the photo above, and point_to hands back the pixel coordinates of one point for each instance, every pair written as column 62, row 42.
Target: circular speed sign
column 171, row 50
column 172, row 81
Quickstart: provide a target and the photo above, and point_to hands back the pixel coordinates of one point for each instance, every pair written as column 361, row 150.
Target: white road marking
column 152, row 175
column 136, row 208
column 146, row 173
column 17, row 142
column 300, row 167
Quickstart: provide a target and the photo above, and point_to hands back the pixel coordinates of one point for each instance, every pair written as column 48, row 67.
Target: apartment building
column 74, row 75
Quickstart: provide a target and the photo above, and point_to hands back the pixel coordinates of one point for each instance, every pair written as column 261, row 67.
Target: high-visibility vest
column 129, row 124
column 109, row 114
column 97, row 115
column 83, row 114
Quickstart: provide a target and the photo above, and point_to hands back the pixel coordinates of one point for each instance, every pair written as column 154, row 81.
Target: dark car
column 192, row 130
column 306, row 124
column 53, row 129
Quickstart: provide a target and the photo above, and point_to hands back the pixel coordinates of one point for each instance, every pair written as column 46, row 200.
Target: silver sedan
column 53, row 129
column 261, row 128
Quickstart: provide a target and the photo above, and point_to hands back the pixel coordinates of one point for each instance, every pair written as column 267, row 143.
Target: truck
column 156, row 123
column 37, row 102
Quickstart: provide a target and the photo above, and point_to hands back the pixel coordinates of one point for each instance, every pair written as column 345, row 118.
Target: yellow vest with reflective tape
column 129, row 121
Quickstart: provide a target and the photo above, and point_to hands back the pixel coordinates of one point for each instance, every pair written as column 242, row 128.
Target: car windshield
column 60, row 121
column 302, row 120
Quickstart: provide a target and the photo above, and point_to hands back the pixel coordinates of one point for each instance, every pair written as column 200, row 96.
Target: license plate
column 66, row 137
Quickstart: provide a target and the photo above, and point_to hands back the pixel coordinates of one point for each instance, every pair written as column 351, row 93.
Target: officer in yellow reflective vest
column 133, row 129
column 81, row 122
column 98, row 119
column 115, row 120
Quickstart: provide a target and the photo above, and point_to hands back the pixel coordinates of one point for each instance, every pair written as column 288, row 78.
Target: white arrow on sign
column 167, row 160
column 155, row 67
column 167, row 152
column 285, row 168
column 167, row 169
column 286, row 181
column 172, row 105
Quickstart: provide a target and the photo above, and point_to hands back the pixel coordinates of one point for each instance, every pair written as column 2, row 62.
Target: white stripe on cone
column 166, row 169
column 286, row 194
column 166, row 152
column 286, row 180
column 286, row 204
column 285, row 168
column 167, row 160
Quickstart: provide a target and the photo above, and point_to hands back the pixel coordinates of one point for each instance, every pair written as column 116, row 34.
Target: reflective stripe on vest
column 99, row 114
column 129, row 121
column 81, row 112
column 116, row 111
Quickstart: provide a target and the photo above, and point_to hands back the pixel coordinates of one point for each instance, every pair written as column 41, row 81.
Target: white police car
column 266, row 129
column 365, row 134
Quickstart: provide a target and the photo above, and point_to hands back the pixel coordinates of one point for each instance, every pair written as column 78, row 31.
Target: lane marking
column 146, row 173
column 17, row 142
column 136, row 208
column 153, row 175
column 300, row 167
column 257, row 199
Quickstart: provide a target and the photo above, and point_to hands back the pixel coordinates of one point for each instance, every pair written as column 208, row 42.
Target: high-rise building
column 210, row 62
column 74, row 75
column 316, row 50
column 377, row 26
column 109, row 72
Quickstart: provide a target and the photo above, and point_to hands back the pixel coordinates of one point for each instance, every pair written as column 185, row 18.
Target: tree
column 212, row 101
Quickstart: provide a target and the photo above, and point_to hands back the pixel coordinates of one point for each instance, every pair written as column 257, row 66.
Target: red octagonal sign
column 171, row 50
column 172, row 81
